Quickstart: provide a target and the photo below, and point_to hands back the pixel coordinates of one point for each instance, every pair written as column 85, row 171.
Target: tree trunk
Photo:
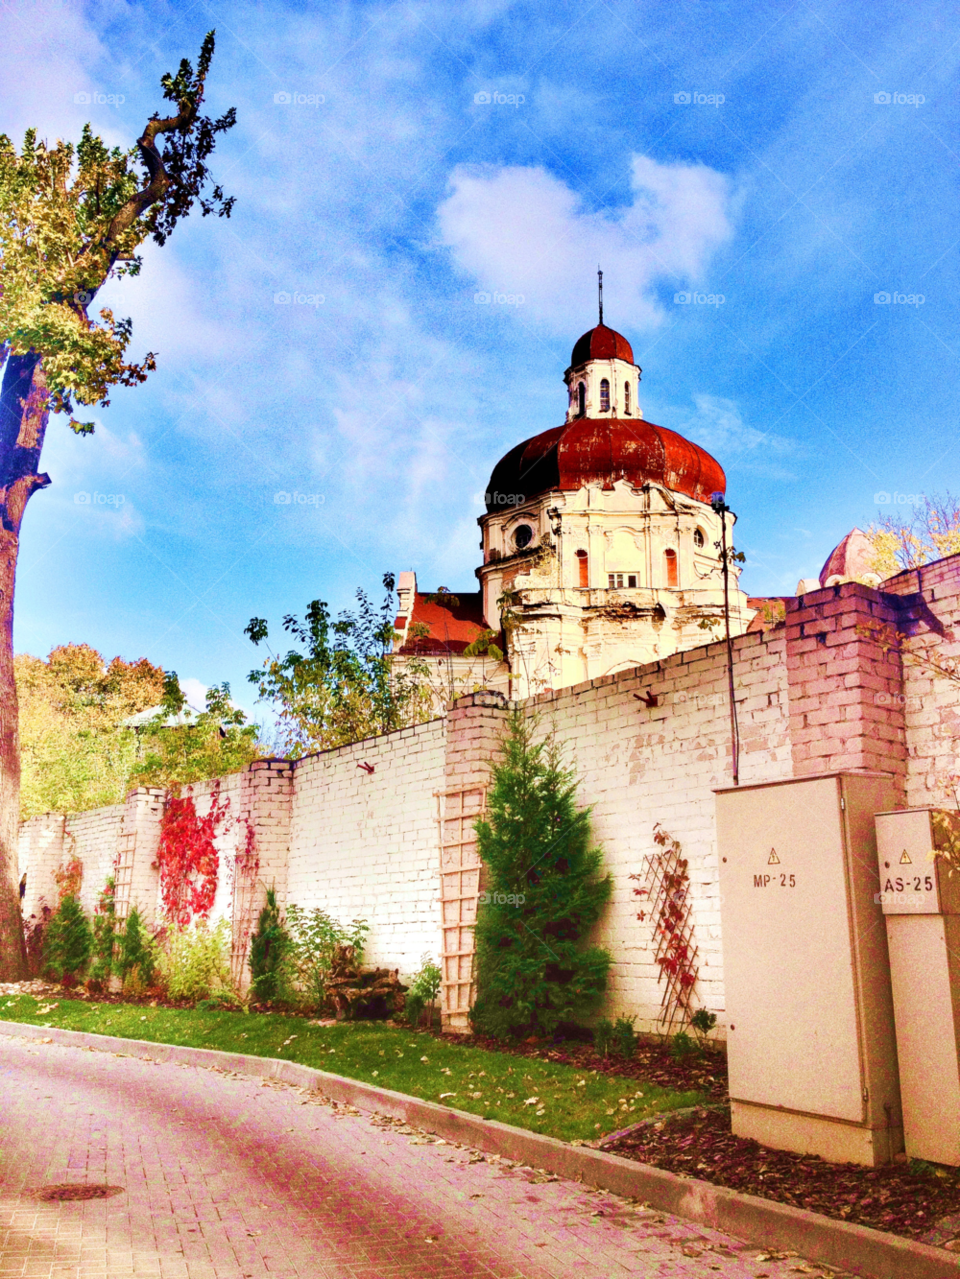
column 23, row 421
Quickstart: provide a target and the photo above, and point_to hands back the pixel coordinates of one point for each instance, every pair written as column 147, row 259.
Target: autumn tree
column 72, row 217
column 930, row 532
column 75, row 751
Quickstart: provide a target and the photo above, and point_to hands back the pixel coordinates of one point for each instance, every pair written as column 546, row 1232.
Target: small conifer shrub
column 104, row 936
column 543, row 895
column 137, row 968
column 68, row 943
column 269, row 952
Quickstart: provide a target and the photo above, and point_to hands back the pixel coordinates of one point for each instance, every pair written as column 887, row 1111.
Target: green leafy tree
column 72, row 217
column 340, row 684
column 543, row 895
column 68, row 943
column 270, row 948
column 179, row 748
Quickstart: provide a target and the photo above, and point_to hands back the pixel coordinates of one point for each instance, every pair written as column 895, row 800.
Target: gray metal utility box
column 921, row 900
column 810, row 1029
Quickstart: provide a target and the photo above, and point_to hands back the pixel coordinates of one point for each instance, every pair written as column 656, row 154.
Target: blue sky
column 392, row 161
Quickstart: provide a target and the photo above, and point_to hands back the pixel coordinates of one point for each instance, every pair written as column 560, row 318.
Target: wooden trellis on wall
column 123, row 867
column 666, row 887
column 460, row 883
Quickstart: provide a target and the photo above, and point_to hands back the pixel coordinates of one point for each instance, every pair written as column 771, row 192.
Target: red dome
column 601, row 343
column 594, row 451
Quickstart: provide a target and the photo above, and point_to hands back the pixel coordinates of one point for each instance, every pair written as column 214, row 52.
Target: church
column 603, row 549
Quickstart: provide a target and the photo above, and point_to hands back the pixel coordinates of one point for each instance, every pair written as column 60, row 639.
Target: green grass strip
column 542, row 1096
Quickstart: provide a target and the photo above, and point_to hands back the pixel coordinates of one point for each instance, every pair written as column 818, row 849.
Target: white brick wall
column 365, row 845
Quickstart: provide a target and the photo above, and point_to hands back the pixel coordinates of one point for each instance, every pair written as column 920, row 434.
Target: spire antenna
column 600, row 291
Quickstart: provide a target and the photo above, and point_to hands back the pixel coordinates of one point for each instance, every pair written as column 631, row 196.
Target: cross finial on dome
column 600, row 290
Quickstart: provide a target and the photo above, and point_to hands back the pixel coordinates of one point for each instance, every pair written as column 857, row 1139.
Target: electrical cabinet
column 920, row 898
column 810, row 1030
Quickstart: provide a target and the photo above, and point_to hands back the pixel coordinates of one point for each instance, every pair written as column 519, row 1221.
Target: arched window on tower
column 581, row 399
column 604, row 395
column 583, row 565
column 626, row 399
column 672, row 575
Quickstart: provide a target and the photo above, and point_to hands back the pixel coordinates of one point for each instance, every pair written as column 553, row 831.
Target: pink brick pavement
column 225, row 1177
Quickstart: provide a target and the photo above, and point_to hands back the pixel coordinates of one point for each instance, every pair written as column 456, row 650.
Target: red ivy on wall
column 188, row 857
column 69, row 877
column 667, row 889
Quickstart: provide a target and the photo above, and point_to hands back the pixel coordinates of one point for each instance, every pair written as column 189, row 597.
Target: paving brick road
column 225, row 1177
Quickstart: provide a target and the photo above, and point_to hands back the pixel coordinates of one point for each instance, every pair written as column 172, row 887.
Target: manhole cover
column 71, row 1190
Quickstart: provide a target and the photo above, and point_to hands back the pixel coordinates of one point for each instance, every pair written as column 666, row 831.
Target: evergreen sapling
column 136, row 954
column 269, row 949
column 543, row 895
column 68, row 943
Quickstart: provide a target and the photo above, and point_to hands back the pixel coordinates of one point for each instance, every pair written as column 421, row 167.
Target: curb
column 861, row 1250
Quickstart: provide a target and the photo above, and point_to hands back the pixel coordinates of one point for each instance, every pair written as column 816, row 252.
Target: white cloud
column 47, row 50
column 523, row 230
column 195, row 691
column 718, row 426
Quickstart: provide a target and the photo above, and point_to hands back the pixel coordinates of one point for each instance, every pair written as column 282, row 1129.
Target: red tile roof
column 452, row 626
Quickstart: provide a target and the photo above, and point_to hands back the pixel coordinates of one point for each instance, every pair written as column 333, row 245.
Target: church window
column 581, row 399
column 522, row 536
column 698, row 538
column 583, row 565
column 604, row 395
column 626, row 398
column 672, row 576
column 615, row 581
column 632, row 579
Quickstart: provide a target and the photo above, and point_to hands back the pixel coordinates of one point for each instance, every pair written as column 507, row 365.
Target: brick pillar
column 266, row 802
column 846, row 693
column 137, row 871
column 474, row 730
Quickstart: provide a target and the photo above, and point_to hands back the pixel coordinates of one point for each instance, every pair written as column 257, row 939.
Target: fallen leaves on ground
column 894, row 1198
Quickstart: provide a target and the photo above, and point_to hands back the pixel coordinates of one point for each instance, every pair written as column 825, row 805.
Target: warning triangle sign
column 906, row 859
column 773, row 859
